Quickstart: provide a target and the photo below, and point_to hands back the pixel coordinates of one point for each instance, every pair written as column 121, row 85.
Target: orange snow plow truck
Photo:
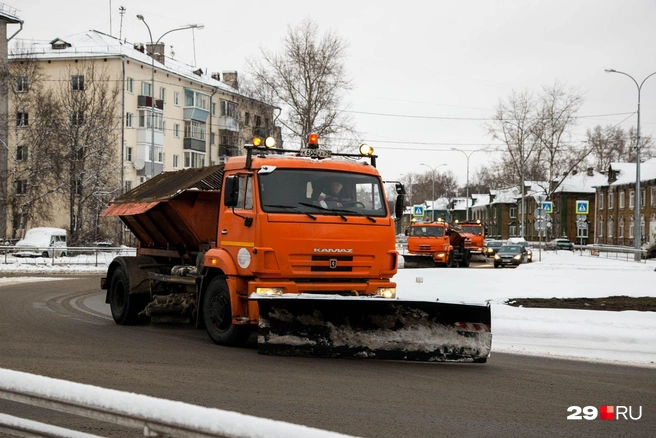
column 475, row 237
column 437, row 244
column 260, row 243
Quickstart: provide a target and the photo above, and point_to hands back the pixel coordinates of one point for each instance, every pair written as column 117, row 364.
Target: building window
column 213, row 108
column 229, row 109
column 128, row 119
column 159, row 154
column 21, row 187
column 176, row 161
column 247, row 119
column 631, row 226
column 162, row 94
column 194, row 159
column 21, row 153
column 512, row 212
column 145, row 119
column 128, row 153
column 77, row 118
column 622, row 199
column 176, row 130
column 147, row 89
column 610, row 227
column 77, row 83
column 610, row 200
column 620, row 233
column 176, row 98
column 212, row 138
column 632, row 199
column 601, row 201
column 258, row 121
column 129, row 85
column 512, row 230
column 600, row 232
column 194, row 129
column 643, row 198
column 653, row 196
column 22, row 119
column 128, row 186
column 77, row 187
column 22, row 84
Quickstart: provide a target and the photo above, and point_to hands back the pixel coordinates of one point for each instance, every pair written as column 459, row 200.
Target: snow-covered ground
column 627, row 337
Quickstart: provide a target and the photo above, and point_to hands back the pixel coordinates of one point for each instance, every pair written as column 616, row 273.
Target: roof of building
column 96, row 44
column 627, row 172
column 581, row 182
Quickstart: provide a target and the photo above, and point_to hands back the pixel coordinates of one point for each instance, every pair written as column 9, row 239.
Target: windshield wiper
column 357, row 213
column 318, row 207
column 291, row 207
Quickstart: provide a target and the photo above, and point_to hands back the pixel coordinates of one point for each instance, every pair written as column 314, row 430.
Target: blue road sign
column 547, row 206
column 418, row 210
column 582, row 207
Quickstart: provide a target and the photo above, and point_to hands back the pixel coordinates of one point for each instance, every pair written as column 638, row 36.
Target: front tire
column 217, row 316
column 125, row 307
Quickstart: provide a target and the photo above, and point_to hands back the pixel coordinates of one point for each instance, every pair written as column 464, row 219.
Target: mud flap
column 374, row 328
column 418, row 261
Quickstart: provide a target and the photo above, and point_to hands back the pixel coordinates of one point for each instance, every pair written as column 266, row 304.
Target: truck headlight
column 386, row 292
column 440, row 255
column 269, row 291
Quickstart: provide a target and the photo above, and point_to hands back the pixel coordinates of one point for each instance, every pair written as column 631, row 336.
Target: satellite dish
column 139, row 163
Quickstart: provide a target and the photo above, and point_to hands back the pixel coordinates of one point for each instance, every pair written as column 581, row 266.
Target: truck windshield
column 304, row 190
column 427, row 231
column 473, row 229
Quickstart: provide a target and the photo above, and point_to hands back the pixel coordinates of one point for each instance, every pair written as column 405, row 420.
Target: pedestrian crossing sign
column 547, row 206
column 418, row 210
column 582, row 207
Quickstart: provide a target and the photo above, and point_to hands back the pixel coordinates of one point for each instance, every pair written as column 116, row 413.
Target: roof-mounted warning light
column 313, row 141
column 365, row 149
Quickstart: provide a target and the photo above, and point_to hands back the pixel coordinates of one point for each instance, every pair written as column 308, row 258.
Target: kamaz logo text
column 333, row 250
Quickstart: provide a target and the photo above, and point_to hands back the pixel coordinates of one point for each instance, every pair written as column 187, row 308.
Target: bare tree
column 89, row 167
column 612, row 144
column 306, row 79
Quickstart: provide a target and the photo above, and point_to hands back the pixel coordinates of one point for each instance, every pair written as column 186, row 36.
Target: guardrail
column 155, row 416
column 63, row 255
column 613, row 251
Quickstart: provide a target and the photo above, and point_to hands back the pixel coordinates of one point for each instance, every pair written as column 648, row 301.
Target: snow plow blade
column 418, row 261
column 376, row 328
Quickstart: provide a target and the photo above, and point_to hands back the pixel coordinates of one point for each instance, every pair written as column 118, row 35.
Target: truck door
column 237, row 224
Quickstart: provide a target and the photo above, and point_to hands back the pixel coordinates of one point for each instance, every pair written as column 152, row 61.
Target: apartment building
column 616, row 210
column 173, row 115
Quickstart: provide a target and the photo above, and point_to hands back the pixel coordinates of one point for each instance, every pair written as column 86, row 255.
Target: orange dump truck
column 474, row 237
column 437, row 244
column 247, row 245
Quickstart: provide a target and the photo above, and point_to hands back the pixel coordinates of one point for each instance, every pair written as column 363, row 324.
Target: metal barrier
column 63, row 255
column 613, row 251
column 155, row 416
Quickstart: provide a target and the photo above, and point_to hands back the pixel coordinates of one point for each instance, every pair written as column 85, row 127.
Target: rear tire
column 217, row 316
column 125, row 307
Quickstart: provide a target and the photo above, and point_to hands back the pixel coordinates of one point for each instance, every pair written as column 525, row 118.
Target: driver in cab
column 334, row 196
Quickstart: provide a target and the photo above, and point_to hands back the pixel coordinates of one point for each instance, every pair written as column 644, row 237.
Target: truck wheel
column 217, row 316
column 125, row 307
column 449, row 261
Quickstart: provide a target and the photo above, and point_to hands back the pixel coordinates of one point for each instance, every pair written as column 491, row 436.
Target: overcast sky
column 427, row 59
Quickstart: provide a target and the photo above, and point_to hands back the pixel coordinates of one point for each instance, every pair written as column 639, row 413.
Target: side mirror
column 230, row 191
column 398, row 208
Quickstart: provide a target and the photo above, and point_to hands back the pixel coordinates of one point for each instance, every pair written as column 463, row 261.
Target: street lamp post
column 637, row 224
column 152, row 83
column 467, row 182
column 433, row 179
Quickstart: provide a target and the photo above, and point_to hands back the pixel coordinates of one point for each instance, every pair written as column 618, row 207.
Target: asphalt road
column 62, row 329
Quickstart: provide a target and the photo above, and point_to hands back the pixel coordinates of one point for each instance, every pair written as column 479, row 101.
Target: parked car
column 560, row 244
column 525, row 244
column 492, row 247
column 42, row 241
column 510, row 255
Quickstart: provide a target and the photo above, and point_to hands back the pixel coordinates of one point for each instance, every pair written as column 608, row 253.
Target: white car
column 42, row 242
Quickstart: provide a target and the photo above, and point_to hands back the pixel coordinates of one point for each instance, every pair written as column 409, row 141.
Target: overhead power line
column 411, row 116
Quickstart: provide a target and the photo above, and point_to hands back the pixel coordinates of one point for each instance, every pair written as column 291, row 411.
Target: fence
column 155, row 416
column 612, row 252
column 49, row 256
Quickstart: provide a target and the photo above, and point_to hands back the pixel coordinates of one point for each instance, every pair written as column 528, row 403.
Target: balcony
column 194, row 144
column 228, row 150
column 147, row 102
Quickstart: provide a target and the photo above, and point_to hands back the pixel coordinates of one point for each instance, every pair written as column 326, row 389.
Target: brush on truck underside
column 374, row 328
